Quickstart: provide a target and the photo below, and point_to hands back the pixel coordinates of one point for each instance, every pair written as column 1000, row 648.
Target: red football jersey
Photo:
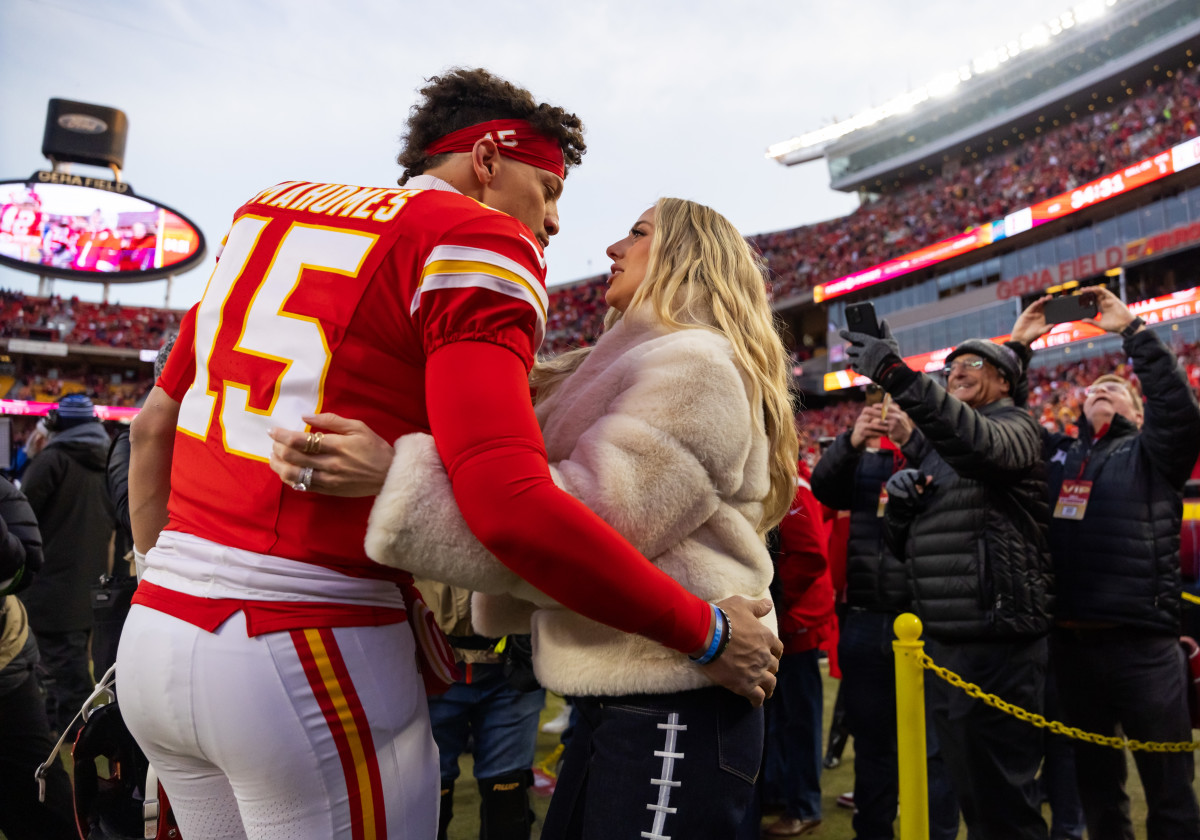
column 329, row 297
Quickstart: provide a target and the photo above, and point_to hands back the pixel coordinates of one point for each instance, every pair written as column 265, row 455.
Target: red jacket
column 806, row 617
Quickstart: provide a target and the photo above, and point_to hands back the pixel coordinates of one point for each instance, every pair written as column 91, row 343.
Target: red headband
column 516, row 139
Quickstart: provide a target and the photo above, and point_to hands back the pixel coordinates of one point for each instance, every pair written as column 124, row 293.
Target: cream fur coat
column 658, row 433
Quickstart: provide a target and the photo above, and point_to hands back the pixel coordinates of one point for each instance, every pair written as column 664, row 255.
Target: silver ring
column 306, row 477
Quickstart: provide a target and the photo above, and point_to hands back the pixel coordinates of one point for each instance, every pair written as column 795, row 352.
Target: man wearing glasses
column 1117, row 494
column 969, row 522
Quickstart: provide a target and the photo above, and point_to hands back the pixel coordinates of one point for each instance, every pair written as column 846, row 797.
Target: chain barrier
column 1054, row 726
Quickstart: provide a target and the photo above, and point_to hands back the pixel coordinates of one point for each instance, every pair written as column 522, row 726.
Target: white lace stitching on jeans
column 668, row 754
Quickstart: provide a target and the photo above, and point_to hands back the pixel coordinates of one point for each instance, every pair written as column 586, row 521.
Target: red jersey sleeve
column 180, row 370
column 488, row 437
column 485, row 280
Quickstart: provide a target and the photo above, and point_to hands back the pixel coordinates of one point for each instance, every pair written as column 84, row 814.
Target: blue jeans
column 676, row 766
column 869, row 692
column 792, row 775
column 502, row 721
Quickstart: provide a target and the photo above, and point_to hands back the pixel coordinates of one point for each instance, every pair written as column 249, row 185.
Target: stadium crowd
column 100, row 388
column 73, row 321
column 1012, row 176
column 1047, row 164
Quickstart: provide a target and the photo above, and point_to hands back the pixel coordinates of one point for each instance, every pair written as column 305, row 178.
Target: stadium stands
column 74, row 378
column 73, row 321
column 1041, row 166
column 1006, row 177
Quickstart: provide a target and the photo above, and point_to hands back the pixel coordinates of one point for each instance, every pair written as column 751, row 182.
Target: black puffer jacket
column 68, row 490
column 20, row 554
column 20, row 540
column 849, row 479
column 1120, row 563
column 976, row 547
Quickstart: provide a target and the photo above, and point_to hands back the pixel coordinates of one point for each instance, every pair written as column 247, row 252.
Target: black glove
column 904, row 490
column 873, row 357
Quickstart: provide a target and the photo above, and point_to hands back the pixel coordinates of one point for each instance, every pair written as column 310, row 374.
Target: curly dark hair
column 463, row 97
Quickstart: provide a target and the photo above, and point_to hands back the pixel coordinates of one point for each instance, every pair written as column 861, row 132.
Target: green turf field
column 836, row 821
column 836, row 824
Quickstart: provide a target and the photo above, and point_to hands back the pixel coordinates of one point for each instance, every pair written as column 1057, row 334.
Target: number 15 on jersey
column 278, row 355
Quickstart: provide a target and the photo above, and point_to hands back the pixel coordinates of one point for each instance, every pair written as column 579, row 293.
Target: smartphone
column 860, row 318
column 874, row 394
column 887, row 400
column 1077, row 307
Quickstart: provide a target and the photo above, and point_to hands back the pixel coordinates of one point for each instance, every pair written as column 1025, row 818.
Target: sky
column 679, row 98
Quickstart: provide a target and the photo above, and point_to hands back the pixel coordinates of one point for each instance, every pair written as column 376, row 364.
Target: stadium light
column 944, row 84
column 804, row 147
column 1090, row 10
column 1035, row 37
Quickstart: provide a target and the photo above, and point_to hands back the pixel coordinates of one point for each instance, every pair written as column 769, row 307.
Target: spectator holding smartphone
column 1117, row 493
column 969, row 523
column 850, row 476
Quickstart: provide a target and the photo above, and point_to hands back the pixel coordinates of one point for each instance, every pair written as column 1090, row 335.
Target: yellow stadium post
column 910, row 729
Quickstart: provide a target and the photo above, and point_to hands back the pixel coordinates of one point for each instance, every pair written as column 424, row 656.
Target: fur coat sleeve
column 651, row 433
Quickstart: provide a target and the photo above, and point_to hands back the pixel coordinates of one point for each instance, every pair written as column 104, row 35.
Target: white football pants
column 295, row 735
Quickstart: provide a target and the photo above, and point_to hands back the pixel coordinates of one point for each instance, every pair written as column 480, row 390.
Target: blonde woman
column 676, row 428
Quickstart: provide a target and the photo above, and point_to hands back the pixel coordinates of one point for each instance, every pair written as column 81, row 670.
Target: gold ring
column 312, row 443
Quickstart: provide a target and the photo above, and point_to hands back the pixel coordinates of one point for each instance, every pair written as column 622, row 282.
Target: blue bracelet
column 715, row 646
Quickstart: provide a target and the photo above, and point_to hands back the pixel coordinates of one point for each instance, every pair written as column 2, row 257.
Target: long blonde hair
column 703, row 274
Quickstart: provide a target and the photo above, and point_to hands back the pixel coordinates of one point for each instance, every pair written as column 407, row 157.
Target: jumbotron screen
column 103, row 232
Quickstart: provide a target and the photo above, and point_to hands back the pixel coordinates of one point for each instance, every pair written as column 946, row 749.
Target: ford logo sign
column 82, row 124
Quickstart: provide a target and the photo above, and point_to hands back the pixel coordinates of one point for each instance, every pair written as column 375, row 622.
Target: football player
column 268, row 668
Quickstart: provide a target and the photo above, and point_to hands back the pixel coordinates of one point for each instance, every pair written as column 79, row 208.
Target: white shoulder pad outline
column 537, row 251
column 463, row 267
